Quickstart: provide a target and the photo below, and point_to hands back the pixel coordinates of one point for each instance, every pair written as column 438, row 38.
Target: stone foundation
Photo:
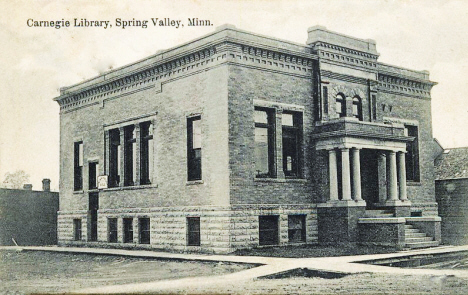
column 222, row 229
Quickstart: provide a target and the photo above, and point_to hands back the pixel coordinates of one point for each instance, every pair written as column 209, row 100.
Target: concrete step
column 412, row 230
column 415, row 235
column 418, row 245
column 419, row 239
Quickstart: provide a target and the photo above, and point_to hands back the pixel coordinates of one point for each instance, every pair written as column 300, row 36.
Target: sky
column 36, row 61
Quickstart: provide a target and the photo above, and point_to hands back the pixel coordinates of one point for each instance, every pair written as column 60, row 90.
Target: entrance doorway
column 93, row 208
column 369, row 177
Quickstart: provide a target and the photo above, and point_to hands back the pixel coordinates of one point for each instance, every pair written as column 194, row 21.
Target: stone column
column 345, row 175
column 333, row 174
column 137, row 155
column 356, row 175
column 278, row 165
column 122, row 156
column 106, row 152
column 392, row 181
column 382, row 176
column 402, row 176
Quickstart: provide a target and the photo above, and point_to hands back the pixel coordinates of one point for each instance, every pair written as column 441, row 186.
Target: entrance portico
column 366, row 170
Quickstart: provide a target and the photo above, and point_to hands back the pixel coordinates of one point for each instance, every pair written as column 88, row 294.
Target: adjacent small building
column 237, row 140
column 28, row 217
column 451, row 169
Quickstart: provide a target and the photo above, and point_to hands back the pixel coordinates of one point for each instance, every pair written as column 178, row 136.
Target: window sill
column 194, row 182
column 134, row 187
column 281, row 180
column 413, row 183
column 78, row 192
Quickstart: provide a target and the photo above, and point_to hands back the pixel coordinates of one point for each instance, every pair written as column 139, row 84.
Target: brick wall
column 245, row 85
column 452, row 197
column 29, row 217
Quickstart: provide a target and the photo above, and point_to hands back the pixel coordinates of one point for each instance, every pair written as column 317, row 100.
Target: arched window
column 340, row 105
column 357, row 108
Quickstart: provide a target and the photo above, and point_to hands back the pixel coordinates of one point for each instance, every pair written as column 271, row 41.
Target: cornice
column 225, row 49
column 405, row 86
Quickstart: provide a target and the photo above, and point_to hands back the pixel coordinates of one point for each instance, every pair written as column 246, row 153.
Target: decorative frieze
column 405, row 86
column 138, row 80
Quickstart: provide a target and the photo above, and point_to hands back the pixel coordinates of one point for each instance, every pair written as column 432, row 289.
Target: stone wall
column 222, row 229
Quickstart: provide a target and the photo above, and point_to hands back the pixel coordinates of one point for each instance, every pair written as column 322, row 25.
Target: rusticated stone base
column 222, row 229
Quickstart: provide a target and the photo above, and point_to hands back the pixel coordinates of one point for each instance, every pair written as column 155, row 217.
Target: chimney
column 27, row 186
column 46, row 185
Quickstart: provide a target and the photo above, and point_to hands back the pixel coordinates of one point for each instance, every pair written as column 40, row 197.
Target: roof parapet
column 321, row 34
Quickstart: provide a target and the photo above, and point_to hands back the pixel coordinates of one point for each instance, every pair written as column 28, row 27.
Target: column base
column 343, row 203
column 401, row 208
column 338, row 221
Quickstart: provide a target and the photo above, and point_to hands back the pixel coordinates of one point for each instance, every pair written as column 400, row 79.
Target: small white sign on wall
column 102, row 181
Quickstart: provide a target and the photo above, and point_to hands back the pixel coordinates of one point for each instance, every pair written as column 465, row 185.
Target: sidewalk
column 267, row 266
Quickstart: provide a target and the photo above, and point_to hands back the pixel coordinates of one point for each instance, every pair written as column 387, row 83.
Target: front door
column 93, row 208
column 369, row 177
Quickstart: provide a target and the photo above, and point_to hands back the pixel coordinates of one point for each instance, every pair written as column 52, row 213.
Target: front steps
column 380, row 221
column 415, row 239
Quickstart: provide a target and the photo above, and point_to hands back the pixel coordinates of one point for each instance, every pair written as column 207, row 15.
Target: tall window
column 144, row 230
column 77, row 229
column 292, row 138
column 146, row 152
column 128, row 230
column 112, row 230
column 78, row 166
column 264, row 142
column 374, row 107
column 193, row 231
column 412, row 154
column 130, row 155
column 357, row 108
column 114, row 158
column 340, row 105
column 93, row 173
column 194, row 148
column 325, row 99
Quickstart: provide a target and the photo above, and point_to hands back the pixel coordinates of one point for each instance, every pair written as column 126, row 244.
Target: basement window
column 112, row 230
column 268, row 230
column 128, row 230
column 296, row 228
column 193, row 231
column 77, row 229
column 144, row 230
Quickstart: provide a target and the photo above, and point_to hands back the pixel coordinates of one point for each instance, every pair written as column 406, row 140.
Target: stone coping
column 424, row 218
column 383, row 220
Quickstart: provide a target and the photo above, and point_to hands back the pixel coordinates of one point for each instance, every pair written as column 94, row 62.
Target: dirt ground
column 300, row 251
column 352, row 284
column 46, row 272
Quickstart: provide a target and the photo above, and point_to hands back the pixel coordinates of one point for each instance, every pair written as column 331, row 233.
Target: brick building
column 451, row 187
column 238, row 140
column 28, row 217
